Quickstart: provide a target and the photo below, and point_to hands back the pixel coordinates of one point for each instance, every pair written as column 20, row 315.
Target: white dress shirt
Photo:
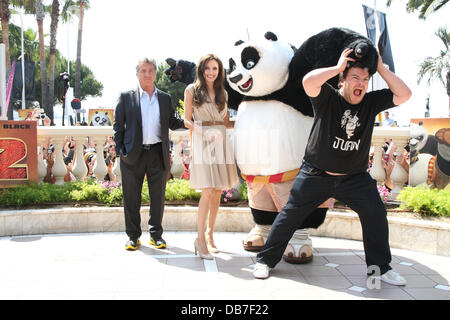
column 151, row 123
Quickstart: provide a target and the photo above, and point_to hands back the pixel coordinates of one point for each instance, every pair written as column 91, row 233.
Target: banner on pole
column 29, row 82
column 383, row 43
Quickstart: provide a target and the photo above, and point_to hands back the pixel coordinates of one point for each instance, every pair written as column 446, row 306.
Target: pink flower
column 384, row 193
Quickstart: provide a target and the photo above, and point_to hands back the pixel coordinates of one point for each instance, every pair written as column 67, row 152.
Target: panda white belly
column 270, row 137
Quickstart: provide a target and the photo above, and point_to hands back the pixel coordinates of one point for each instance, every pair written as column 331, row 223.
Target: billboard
column 18, row 153
column 430, row 152
column 101, row 117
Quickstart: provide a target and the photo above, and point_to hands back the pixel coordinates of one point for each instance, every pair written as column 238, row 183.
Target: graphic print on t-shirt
column 349, row 123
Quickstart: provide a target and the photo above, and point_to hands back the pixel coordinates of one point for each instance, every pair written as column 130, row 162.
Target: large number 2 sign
column 13, row 151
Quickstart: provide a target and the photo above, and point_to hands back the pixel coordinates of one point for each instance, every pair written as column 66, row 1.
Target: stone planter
column 429, row 236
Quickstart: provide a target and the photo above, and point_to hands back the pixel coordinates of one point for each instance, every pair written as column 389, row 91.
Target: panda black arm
column 174, row 121
column 234, row 97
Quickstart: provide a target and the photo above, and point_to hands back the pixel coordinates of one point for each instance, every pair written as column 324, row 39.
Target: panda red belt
column 279, row 177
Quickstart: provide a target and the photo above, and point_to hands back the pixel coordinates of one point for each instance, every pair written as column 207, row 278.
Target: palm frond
column 434, row 6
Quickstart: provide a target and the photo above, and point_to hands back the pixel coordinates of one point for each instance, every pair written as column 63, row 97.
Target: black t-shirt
column 342, row 132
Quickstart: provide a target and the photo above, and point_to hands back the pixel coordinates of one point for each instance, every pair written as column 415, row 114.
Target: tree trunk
column 77, row 89
column 42, row 60
column 4, row 16
column 51, row 80
column 448, row 91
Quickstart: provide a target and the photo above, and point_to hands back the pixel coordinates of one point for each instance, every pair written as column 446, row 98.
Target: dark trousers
column 311, row 188
column 150, row 163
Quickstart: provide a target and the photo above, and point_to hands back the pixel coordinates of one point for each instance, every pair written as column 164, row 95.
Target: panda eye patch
column 249, row 57
column 232, row 66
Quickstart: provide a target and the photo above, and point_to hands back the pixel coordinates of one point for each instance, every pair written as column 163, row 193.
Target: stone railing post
column 116, row 170
column 42, row 169
column 177, row 138
column 377, row 171
column 79, row 168
column 59, row 169
column 399, row 136
column 79, row 133
column 399, row 175
column 100, row 169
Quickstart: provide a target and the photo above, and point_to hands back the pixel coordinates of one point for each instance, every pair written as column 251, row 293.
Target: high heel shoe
column 211, row 246
column 206, row 256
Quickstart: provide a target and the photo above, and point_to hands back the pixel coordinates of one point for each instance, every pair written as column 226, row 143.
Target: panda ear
column 239, row 42
column 171, row 62
column 270, row 36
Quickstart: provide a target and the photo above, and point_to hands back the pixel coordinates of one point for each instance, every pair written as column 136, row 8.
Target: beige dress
column 212, row 160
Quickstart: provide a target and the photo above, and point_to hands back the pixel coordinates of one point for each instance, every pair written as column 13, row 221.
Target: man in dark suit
column 141, row 132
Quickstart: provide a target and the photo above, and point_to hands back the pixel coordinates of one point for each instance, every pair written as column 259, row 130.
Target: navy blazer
column 128, row 126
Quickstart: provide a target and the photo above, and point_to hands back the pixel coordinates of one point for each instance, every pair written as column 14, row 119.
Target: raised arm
column 400, row 90
column 314, row 80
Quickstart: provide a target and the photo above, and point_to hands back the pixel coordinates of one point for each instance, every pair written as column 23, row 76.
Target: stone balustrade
column 181, row 140
column 400, row 137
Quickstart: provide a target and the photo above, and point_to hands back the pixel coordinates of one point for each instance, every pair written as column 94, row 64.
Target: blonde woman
column 212, row 165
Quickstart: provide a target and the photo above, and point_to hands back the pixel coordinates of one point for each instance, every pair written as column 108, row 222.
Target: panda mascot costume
column 275, row 116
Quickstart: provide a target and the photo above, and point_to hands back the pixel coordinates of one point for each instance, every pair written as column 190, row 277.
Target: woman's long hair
column 200, row 91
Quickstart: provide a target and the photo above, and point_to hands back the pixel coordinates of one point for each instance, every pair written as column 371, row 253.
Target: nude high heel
column 206, row 256
column 210, row 245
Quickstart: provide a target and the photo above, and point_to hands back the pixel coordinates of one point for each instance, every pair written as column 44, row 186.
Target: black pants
column 150, row 163
column 311, row 188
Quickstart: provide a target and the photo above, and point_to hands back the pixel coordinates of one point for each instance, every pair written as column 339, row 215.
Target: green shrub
column 109, row 193
column 37, row 193
column 425, row 200
column 178, row 189
column 105, row 192
column 243, row 191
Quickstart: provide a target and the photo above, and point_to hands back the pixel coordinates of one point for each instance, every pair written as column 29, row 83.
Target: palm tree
column 77, row 90
column 70, row 9
column 36, row 7
column 426, row 7
column 437, row 67
column 39, row 9
column 5, row 14
column 51, row 79
column 90, row 86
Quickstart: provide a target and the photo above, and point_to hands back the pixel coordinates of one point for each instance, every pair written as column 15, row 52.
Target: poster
column 430, row 152
column 101, row 117
column 25, row 114
column 18, row 153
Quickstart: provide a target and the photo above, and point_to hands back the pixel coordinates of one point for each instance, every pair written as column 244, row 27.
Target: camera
column 41, row 114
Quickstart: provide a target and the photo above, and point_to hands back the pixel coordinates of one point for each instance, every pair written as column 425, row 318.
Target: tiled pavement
column 96, row 266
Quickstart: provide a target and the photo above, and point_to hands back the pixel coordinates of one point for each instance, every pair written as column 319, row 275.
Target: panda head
column 100, row 119
column 261, row 67
column 419, row 137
